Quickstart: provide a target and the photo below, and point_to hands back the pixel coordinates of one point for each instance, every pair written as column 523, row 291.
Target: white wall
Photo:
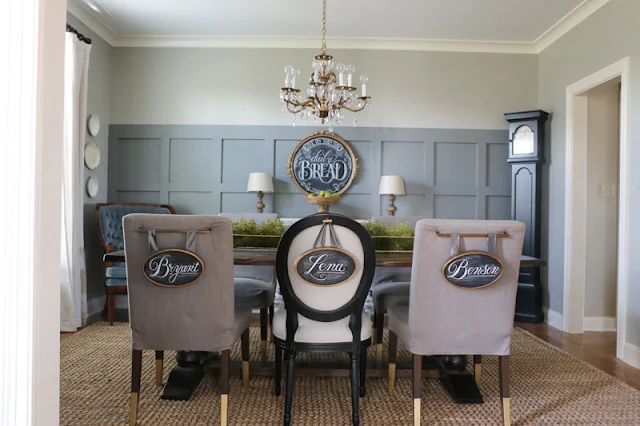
column 605, row 37
column 603, row 140
column 240, row 86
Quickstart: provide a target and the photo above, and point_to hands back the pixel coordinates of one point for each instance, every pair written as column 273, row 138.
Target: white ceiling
column 493, row 21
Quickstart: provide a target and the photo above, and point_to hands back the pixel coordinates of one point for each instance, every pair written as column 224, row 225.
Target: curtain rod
column 81, row 37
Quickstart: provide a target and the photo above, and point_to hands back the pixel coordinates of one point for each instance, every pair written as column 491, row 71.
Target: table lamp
column 260, row 183
column 392, row 186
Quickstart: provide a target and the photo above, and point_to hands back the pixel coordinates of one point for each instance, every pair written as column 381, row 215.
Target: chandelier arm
column 355, row 109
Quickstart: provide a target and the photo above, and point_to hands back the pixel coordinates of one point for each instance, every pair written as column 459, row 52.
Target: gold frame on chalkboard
column 324, row 134
column 173, row 249
column 466, row 253
column 299, row 258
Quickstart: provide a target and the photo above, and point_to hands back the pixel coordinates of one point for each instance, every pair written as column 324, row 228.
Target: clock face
column 322, row 162
column 523, row 141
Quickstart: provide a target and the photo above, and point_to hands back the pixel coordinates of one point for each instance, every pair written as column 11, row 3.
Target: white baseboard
column 553, row 318
column 599, row 324
column 631, row 355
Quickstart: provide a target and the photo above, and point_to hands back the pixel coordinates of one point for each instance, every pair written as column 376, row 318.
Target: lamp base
column 260, row 204
column 392, row 207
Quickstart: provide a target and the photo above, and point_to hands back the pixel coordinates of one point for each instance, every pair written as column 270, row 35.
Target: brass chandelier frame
column 321, row 104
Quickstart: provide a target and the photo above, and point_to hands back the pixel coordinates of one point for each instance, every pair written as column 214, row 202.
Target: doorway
column 596, row 210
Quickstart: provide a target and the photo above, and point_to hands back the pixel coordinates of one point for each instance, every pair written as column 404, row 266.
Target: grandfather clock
column 526, row 156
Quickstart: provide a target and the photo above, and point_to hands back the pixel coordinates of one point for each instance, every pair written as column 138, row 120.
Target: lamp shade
column 392, row 185
column 260, row 182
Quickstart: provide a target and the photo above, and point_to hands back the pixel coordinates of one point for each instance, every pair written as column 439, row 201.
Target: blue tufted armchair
column 109, row 220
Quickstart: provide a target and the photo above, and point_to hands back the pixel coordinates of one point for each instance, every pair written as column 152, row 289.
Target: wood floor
column 595, row 348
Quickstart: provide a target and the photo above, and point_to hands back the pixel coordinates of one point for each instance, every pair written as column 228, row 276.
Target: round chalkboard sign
column 473, row 269
column 325, row 266
column 322, row 162
column 173, row 268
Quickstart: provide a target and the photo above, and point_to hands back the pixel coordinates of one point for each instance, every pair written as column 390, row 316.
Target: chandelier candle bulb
column 363, row 80
column 350, row 70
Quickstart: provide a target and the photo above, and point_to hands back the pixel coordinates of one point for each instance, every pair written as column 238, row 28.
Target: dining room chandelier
column 330, row 90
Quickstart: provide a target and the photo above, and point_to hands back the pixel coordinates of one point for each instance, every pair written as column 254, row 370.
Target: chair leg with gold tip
column 224, row 387
column 393, row 350
column 379, row 332
column 503, row 365
column 416, row 371
column 244, row 343
column 159, row 367
column 136, row 372
column 477, row 369
column 264, row 321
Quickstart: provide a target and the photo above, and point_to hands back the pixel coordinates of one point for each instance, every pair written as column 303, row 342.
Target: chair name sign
column 325, row 266
column 472, row 270
column 173, row 268
column 322, row 162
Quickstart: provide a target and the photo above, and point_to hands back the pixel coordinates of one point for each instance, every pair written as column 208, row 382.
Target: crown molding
column 560, row 28
column 568, row 22
column 334, row 43
column 93, row 23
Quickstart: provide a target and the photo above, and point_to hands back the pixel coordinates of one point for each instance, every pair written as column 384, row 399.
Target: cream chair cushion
column 320, row 332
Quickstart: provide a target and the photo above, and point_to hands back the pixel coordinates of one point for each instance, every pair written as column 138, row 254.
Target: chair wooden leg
column 290, row 358
column 224, row 387
column 271, row 313
column 136, row 372
column 417, row 383
column 355, row 388
column 159, row 367
column 111, row 307
column 393, row 350
column 379, row 323
column 503, row 366
column 278, row 361
column 244, row 343
column 363, row 373
column 264, row 321
column 477, row 369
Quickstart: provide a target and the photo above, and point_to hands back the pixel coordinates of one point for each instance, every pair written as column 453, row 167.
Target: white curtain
column 73, row 270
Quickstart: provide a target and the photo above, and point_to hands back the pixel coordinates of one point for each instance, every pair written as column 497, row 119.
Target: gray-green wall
column 607, row 36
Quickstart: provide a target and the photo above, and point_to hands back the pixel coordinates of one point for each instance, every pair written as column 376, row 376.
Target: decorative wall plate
column 92, row 186
column 322, row 162
column 93, row 124
column 91, row 155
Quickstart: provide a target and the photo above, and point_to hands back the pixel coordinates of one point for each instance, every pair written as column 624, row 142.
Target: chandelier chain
column 324, row 27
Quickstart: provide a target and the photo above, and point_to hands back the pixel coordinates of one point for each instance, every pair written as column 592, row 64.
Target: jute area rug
column 548, row 387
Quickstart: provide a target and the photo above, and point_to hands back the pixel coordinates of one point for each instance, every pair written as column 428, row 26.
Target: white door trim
column 575, row 213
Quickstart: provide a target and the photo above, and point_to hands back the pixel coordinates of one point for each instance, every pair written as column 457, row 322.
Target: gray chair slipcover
column 202, row 316
column 255, row 285
column 443, row 319
column 390, row 285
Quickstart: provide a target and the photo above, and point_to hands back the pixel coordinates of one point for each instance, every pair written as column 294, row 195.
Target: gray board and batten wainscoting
column 201, row 169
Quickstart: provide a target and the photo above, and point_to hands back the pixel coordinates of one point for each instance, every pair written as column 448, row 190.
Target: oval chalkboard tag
column 473, row 269
column 173, row 268
column 325, row 266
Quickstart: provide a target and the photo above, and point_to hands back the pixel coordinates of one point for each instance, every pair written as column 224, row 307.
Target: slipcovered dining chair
column 200, row 316
column 446, row 319
column 256, row 285
column 390, row 284
column 325, row 264
column 109, row 220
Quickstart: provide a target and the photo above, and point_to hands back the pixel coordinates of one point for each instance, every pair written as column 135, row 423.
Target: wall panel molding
column 202, row 169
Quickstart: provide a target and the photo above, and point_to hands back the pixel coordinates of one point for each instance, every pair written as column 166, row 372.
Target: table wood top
column 267, row 257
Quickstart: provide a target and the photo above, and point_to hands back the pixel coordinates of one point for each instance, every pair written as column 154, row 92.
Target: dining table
column 451, row 370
